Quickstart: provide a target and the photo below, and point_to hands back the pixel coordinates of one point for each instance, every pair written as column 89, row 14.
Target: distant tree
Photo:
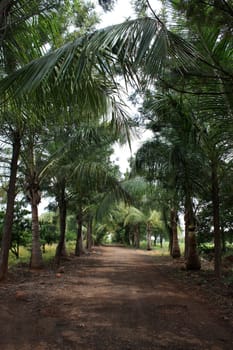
column 21, row 235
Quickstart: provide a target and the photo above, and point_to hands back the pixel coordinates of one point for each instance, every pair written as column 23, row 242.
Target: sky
column 122, row 11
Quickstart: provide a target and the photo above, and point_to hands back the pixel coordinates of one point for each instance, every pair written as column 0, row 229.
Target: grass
column 164, row 250
column 24, row 257
column 24, row 254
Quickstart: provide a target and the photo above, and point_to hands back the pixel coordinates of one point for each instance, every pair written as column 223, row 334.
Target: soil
column 115, row 299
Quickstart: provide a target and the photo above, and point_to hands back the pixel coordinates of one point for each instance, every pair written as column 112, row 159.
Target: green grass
column 164, row 250
column 24, row 254
column 157, row 250
column 24, row 257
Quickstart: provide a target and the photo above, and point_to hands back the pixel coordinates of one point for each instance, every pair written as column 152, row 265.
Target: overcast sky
column 122, row 10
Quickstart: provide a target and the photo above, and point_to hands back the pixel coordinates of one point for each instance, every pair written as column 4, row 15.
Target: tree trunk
column 79, row 240
column 193, row 261
column 223, row 240
column 170, row 247
column 8, row 222
column 127, row 234
column 192, row 258
column 216, row 221
column 17, row 250
column 132, row 237
column 36, row 254
column 175, row 242
column 186, row 232
column 148, row 236
column 61, row 248
column 33, row 195
column 161, row 241
column 137, row 236
column 89, row 233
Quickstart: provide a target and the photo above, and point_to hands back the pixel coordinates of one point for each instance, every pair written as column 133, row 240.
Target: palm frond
column 136, row 186
column 97, row 177
column 141, row 44
column 134, row 216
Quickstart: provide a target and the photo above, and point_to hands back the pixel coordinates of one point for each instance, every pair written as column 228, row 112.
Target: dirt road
column 114, row 299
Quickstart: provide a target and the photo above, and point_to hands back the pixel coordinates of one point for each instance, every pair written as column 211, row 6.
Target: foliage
column 48, row 229
column 21, row 233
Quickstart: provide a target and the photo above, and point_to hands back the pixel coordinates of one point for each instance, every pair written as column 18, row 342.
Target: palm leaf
column 96, row 177
column 141, row 44
column 134, row 216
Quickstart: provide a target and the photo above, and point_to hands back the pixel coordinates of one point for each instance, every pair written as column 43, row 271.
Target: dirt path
column 115, row 299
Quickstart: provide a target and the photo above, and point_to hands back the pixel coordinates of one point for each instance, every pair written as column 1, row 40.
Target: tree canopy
column 62, row 109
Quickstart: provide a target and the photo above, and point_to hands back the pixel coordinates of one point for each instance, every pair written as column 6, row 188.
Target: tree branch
column 151, row 9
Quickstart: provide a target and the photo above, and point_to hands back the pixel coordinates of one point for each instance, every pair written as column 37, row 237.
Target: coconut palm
column 172, row 157
column 143, row 45
column 88, row 175
column 35, row 163
column 15, row 19
column 138, row 213
column 15, row 136
column 209, row 90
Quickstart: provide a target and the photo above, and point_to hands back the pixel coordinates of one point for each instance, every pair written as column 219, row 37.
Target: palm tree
column 210, row 86
column 94, row 177
column 62, row 201
column 135, row 218
column 17, row 16
column 175, row 248
column 11, row 193
column 169, row 159
column 35, row 163
column 85, row 160
column 139, row 212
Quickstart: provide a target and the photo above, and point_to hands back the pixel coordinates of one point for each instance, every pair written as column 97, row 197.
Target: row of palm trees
column 190, row 115
column 31, row 121
column 80, row 81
